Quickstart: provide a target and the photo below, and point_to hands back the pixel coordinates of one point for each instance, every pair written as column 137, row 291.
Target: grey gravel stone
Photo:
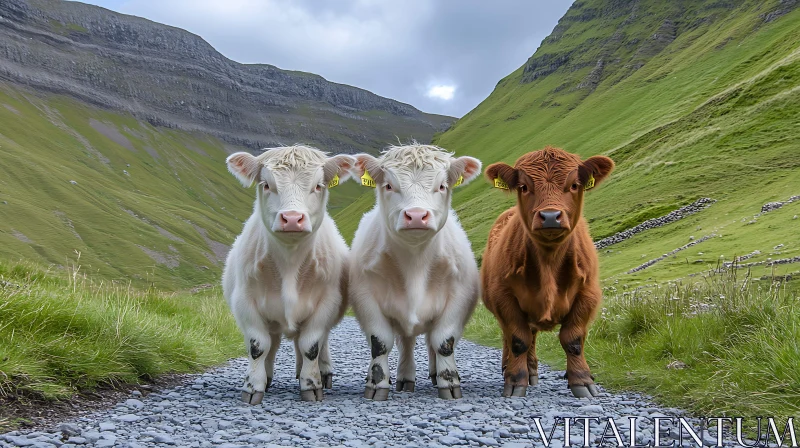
column 164, row 438
column 69, row 429
column 134, row 403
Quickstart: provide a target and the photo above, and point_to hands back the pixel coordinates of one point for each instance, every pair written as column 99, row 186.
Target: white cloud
column 442, row 92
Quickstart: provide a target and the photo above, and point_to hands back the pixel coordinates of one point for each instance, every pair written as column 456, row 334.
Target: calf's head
column 414, row 186
column 293, row 184
column 550, row 184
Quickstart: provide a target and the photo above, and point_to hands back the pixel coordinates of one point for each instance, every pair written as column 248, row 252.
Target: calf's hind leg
column 406, row 367
column 533, row 361
column 431, row 360
column 269, row 361
column 298, row 360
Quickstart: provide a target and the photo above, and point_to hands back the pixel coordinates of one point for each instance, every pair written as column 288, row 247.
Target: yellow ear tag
column 589, row 183
column 334, row 182
column 367, row 180
column 498, row 183
column 459, row 181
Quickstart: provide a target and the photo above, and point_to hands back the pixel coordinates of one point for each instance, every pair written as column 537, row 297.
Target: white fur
column 279, row 283
column 408, row 282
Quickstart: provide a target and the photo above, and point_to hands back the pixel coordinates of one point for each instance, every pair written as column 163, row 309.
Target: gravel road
column 206, row 410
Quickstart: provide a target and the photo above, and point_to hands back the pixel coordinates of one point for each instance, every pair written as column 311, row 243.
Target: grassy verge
column 715, row 345
column 60, row 334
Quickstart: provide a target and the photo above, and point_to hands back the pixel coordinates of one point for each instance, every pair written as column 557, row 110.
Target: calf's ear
column 503, row 172
column 595, row 167
column 366, row 162
column 340, row 165
column 463, row 170
column 244, row 166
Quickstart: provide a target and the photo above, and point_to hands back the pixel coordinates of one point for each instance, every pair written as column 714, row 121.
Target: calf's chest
column 545, row 296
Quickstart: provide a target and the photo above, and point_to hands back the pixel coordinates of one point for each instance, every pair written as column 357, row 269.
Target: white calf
column 287, row 272
column 411, row 266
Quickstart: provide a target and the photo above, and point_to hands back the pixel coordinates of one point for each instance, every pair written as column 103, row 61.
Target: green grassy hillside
column 148, row 205
column 712, row 113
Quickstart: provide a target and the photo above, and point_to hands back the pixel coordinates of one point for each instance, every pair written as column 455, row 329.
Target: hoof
column 446, row 393
column 405, row 386
column 584, row 391
column 533, row 380
column 432, row 376
column 327, row 381
column 252, row 399
column 376, row 394
column 514, row 391
column 311, row 395
column 269, row 382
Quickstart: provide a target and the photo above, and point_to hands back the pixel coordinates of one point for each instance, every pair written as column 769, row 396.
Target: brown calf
column 540, row 267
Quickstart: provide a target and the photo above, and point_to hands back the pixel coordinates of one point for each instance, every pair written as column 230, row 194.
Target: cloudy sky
column 442, row 56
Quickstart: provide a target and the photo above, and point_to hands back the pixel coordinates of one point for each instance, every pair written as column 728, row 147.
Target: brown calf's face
column 549, row 185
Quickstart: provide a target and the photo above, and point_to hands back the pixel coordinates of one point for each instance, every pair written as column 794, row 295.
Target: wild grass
column 63, row 333
column 721, row 344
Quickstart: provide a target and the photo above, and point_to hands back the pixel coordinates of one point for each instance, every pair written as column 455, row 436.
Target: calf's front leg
column 257, row 380
column 381, row 339
column 309, row 342
column 517, row 342
column 326, row 365
column 448, row 382
column 572, row 337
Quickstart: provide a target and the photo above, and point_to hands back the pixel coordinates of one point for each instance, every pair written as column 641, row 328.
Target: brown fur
column 535, row 279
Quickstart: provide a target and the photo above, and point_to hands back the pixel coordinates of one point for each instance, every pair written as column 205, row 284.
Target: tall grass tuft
column 63, row 333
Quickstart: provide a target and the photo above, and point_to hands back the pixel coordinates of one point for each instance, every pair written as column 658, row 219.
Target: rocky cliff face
column 625, row 35
column 173, row 78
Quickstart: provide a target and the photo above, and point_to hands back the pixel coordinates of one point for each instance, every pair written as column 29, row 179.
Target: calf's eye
column 318, row 188
column 388, row 187
column 523, row 188
column 266, row 186
column 574, row 186
column 442, row 187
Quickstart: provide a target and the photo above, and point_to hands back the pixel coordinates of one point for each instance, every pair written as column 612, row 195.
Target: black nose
column 550, row 219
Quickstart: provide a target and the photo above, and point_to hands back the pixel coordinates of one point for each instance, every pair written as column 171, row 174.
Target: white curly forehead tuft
column 416, row 155
column 292, row 157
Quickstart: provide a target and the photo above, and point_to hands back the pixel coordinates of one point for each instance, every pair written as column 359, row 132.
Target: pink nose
column 292, row 222
column 416, row 218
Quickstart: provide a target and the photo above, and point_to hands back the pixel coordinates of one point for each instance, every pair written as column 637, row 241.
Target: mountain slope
column 114, row 131
column 169, row 77
column 691, row 99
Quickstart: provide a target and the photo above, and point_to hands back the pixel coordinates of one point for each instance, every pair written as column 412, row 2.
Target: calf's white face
column 292, row 185
column 415, row 184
